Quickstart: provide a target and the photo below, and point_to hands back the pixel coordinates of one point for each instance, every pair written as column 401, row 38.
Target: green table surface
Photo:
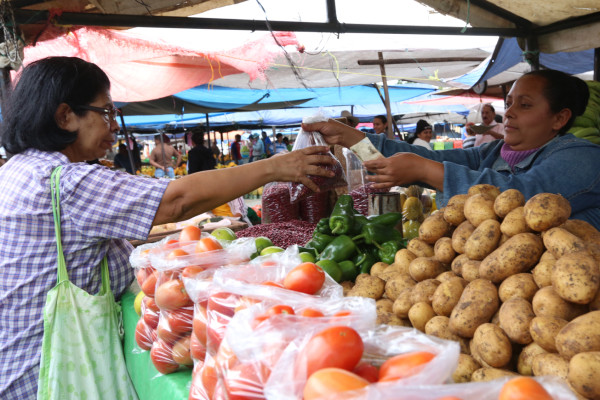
column 149, row 383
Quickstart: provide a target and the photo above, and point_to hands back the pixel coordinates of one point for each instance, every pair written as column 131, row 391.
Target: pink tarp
column 141, row 70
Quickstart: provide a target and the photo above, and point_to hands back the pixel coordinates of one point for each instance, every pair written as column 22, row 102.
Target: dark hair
column 490, row 106
column 238, row 137
column 564, row 91
column 198, row 137
column 42, row 86
column 421, row 126
column 122, row 147
column 383, row 118
column 279, row 135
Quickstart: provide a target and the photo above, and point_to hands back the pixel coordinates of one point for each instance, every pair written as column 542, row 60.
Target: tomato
column 189, row 233
column 404, row 365
column 143, row 337
column 180, row 320
column 150, row 318
column 192, row 270
column 522, row 388
column 172, row 295
column 332, row 381
column 197, row 349
column 209, row 377
column 223, row 303
column 164, row 332
column 207, row 244
column 162, row 358
column 176, row 253
column 148, row 303
column 305, row 278
column 148, row 286
column 171, row 244
column 448, row 398
column 337, row 347
column 343, row 313
column 142, row 274
column 199, row 324
column 367, row 371
column 280, row 309
column 268, row 263
column 271, row 283
column 311, row 312
column 245, row 381
column 181, row 351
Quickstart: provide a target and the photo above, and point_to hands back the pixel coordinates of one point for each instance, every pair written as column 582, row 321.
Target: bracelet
column 365, row 150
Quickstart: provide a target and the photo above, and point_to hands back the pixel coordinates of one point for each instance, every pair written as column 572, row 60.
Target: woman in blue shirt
column 536, row 155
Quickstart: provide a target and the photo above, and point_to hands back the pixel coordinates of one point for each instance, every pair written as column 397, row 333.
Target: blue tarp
column 508, row 54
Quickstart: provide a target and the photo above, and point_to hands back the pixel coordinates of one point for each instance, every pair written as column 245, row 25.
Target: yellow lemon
column 137, row 303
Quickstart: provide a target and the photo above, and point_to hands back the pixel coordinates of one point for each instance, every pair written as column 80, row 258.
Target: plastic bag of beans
column 276, row 204
column 358, row 186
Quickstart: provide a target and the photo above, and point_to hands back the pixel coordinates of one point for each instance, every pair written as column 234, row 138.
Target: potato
column 457, row 264
column 526, row 357
column 403, row 259
column 546, row 210
column 518, row 254
column 483, row 240
column 454, row 212
column 383, row 306
column 396, row 285
column 547, row 303
column 390, row 272
column 519, row 285
column 433, row 228
column 576, row 278
column 446, row 276
column 595, row 303
column 470, row 270
column 420, row 248
column 559, row 242
column 378, row 268
column 443, row 251
column 544, row 330
column 392, row 319
column 548, row 257
column 580, row 335
column 419, row 314
column 583, row 230
column 508, row 201
column 465, row 368
column 447, row 295
column 493, row 345
column 550, row 364
column 542, row 274
column 422, row 268
column 514, row 223
column 423, row 291
column 515, row 316
column 346, row 286
column 403, row 303
column 584, row 374
column 485, row 189
column 438, row 327
column 490, row 374
column 460, row 236
column 368, row 286
column 478, row 208
column 477, row 304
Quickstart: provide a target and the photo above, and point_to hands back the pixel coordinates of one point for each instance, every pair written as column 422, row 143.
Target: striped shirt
column 100, row 208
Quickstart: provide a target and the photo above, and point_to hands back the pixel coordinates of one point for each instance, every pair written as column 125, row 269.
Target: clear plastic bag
column 276, row 204
column 358, row 186
column 307, row 139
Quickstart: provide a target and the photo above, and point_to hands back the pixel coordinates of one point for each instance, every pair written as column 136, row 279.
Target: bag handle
column 62, row 265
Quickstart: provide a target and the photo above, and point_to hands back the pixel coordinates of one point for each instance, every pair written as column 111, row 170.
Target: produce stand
column 148, row 382
column 155, row 237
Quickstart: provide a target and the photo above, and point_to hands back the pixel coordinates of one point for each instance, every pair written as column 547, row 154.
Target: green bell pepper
column 319, row 241
column 349, row 271
column 375, row 234
column 323, row 226
column 387, row 251
column 342, row 217
column 364, row 261
column 388, row 219
column 359, row 221
column 332, row 269
column 340, row 249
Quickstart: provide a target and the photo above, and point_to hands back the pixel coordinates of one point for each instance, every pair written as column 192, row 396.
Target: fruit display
column 515, row 283
column 587, row 125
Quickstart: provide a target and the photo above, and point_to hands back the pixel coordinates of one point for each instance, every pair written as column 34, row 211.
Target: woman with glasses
column 60, row 113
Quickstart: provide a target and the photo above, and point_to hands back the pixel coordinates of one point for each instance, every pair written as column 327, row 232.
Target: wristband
column 365, row 150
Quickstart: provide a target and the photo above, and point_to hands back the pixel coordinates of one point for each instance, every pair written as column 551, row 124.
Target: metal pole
column 597, row 64
column 390, row 131
column 129, row 153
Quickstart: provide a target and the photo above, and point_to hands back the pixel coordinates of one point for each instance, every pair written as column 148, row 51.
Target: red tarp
column 141, row 70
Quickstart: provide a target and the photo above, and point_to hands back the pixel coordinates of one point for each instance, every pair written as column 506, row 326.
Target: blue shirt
column 566, row 165
column 99, row 209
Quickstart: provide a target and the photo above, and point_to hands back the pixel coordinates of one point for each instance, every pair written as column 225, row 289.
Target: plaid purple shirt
column 100, row 208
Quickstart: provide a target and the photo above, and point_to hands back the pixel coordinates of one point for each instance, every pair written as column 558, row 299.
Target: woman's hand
column 297, row 165
column 403, row 169
column 336, row 132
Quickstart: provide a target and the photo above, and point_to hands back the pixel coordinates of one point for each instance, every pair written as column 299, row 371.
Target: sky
column 384, row 12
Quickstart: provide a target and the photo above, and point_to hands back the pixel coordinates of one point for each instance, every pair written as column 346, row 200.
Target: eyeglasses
column 111, row 113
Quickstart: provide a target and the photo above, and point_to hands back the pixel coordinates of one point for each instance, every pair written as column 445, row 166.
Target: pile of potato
column 515, row 283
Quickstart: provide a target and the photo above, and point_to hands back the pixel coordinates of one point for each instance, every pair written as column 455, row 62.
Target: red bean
column 282, row 234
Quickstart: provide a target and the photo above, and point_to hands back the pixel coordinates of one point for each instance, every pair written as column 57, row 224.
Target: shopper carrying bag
column 82, row 354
